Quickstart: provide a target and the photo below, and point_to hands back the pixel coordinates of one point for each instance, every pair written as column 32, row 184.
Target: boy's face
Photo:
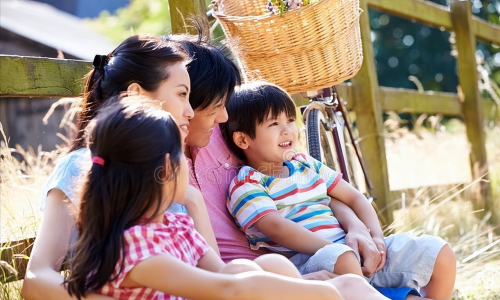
column 274, row 140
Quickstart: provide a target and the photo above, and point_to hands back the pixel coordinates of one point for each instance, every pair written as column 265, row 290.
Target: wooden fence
column 28, row 76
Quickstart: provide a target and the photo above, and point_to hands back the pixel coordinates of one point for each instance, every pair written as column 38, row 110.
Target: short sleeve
column 330, row 176
column 178, row 238
column 248, row 200
column 68, row 175
column 140, row 242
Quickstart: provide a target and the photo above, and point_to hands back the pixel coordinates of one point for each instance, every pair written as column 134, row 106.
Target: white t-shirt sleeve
column 68, row 175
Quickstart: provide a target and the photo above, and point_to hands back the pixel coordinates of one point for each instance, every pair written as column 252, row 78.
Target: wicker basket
column 309, row 48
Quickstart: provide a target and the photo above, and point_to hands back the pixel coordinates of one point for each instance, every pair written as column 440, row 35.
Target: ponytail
column 141, row 59
column 92, row 98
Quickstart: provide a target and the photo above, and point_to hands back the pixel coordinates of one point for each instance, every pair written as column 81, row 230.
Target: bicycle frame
column 335, row 115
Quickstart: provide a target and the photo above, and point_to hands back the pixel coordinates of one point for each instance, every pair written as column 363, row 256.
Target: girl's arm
column 172, row 276
column 347, row 194
column 197, row 210
column 43, row 281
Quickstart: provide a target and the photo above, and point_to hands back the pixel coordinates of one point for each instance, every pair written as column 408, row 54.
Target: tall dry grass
column 445, row 211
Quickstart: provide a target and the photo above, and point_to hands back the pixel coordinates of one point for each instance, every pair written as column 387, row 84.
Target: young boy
column 281, row 200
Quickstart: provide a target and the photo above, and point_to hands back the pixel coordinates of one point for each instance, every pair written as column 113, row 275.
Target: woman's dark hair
column 141, row 59
column 132, row 137
column 213, row 75
column 249, row 106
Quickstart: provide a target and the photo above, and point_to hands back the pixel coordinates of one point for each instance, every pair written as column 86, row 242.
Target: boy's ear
column 134, row 89
column 240, row 139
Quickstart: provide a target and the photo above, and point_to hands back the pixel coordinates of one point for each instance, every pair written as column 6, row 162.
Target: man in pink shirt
column 211, row 171
column 213, row 166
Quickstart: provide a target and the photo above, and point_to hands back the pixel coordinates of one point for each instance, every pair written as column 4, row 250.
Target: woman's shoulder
column 67, row 171
column 68, row 159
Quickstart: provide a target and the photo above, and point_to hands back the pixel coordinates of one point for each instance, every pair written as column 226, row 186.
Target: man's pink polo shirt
column 213, row 169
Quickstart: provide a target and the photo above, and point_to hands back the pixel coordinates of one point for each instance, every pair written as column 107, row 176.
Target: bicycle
column 327, row 127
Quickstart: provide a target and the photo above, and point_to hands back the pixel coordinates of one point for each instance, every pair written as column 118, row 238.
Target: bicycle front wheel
column 320, row 140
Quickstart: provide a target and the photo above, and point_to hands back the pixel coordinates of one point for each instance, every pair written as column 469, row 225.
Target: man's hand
column 362, row 243
column 319, row 275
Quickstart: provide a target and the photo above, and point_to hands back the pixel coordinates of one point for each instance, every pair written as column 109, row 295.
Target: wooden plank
column 486, row 31
column 461, row 14
column 429, row 13
column 404, row 100
column 412, row 101
column 37, row 76
column 369, row 119
column 182, row 10
column 425, row 12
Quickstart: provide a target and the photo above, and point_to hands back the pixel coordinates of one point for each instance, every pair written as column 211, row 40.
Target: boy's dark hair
column 249, row 106
column 213, row 75
column 141, row 59
column 133, row 137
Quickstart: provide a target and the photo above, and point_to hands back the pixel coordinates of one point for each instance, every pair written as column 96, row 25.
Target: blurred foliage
column 402, row 48
column 141, row 16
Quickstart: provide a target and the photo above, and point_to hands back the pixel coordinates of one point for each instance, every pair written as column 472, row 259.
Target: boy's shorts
column 410, row 260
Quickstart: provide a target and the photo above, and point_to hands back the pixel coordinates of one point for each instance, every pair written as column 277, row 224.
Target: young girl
column 129, row 248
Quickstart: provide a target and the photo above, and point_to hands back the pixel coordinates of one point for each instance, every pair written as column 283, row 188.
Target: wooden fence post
column 461, row 16
column 369, row 120
column 182, row 9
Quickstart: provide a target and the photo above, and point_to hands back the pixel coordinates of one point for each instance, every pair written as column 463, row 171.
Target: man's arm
column 358, row 237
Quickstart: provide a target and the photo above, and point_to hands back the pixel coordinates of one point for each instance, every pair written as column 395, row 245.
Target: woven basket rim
column 268, row 15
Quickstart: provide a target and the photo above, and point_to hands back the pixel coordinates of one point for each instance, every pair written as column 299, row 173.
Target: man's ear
column 134, row 89
column 240, row 139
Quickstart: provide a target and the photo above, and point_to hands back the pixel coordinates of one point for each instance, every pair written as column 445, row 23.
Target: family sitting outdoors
column 178, row 186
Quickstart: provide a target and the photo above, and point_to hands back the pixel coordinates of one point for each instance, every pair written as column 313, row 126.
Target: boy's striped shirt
column 301, row 197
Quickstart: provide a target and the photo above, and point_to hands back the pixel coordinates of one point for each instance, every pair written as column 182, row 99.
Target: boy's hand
column 362, row 243
column 379, row 242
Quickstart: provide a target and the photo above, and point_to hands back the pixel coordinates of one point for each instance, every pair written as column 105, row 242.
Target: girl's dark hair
column 249, row 106
column 213, row 75
column 133, row 138
column 141, row 59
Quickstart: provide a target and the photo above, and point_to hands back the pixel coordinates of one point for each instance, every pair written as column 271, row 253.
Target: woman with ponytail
column 146, row 65
column 128, row 247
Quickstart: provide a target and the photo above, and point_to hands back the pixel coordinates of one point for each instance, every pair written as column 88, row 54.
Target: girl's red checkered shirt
column 175, row 236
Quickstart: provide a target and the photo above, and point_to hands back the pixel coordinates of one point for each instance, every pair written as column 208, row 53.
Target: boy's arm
column 251, row 205
column 290, row 234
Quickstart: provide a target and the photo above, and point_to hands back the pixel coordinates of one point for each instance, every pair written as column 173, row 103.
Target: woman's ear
column 134, row 89
column 240, row 139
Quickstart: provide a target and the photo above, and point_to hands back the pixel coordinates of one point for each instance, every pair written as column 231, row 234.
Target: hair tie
column 100, row 61
column 98, row 160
